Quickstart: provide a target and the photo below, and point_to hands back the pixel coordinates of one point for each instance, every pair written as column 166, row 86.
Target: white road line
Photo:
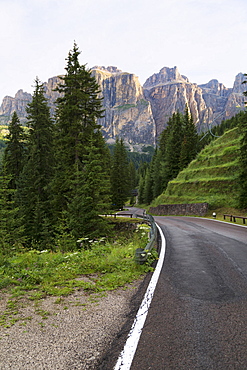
column 126, row 357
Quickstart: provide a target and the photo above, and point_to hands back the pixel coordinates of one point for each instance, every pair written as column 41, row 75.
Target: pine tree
column 189, row 145
column 172, row 147
column 120, row 182
column 132, row 181
column 79, row 141
column 14, row 153
column 148, row 193
column 157, row 174
column 11, row 230
column 34, row 193
column 91, row 195
column 141, row 186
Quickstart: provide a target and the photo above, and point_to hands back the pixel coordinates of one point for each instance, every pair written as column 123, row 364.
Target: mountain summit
column 138, row 113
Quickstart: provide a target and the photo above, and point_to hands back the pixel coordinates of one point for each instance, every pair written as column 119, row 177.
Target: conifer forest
column 58, row 175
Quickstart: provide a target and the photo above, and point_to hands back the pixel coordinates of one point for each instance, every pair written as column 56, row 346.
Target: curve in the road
column 126, row 357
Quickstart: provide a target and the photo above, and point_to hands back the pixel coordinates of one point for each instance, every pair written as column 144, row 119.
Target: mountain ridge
column 140, row 113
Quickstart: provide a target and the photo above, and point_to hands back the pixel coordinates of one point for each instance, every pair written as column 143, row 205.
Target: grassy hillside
column 211, row 177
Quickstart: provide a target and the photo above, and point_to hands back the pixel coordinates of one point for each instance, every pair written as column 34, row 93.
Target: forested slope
column 211, row 177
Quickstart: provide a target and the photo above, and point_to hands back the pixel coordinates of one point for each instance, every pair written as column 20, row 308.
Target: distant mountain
column 209, row 104
column 140, row 113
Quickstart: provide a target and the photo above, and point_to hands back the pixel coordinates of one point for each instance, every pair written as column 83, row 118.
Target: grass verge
column 104, row 265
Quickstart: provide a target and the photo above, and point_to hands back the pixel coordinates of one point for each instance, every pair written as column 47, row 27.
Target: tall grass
column 106, row 265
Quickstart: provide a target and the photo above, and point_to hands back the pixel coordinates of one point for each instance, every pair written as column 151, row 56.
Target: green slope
column 211, row 177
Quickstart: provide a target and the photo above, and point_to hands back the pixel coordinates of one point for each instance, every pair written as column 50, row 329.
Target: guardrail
column 141, row 254
column 233, row 218
column 118, row 214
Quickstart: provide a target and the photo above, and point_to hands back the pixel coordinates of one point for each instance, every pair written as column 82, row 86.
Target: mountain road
column 198, row 315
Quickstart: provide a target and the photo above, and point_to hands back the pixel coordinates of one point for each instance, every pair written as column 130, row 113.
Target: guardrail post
column 141, row 255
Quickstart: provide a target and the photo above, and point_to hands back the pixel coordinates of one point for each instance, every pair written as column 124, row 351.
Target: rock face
column 209, row 104
column 169, row 92
column 18, row 104
column 223, row 101
column 21, row 99
column 139, row 114
column 127, row 113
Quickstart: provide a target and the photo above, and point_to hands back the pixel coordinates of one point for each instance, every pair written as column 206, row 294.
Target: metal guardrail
column 233, row 218
column 141, row 254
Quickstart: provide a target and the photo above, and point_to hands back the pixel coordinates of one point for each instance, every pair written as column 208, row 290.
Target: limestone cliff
column 209, row 104
column 21, row 99
column 127, row 113
column 224, row 102
column 139, row 114
column 169, row 92
column 18, row 104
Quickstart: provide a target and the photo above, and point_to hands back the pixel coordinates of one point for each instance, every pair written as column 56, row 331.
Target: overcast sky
column 205, row 39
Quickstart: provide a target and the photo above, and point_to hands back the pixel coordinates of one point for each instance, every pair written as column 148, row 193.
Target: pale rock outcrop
column 225, row 102
column 21, row 99
column 127, row 113
column 51, row 93
column 139, row 114
column 236, row 100
column 169, row 92
column 18, row 104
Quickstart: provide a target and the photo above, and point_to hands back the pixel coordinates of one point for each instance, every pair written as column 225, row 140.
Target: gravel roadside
column 66, row 334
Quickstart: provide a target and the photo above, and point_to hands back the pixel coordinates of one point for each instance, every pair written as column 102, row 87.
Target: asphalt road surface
column 198, row 315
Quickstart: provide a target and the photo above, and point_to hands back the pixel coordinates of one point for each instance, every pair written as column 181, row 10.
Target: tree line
column 58, row 176
column 178, row 144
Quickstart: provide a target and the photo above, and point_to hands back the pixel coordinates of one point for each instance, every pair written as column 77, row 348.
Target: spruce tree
column 78, row 141
column 157, row 174
column 148, row 193
column 189, row 144
column 120, row 181
column 132, row 181
column 172, row 145
column 141, row 186
column 14, row 153
column 91, row 195
column 34, row 193
column 11, row 229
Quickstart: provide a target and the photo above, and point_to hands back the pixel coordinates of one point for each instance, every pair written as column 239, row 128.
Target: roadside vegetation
column 217, row 174
column 57, row 177
column 213, row 177
column 98, row 265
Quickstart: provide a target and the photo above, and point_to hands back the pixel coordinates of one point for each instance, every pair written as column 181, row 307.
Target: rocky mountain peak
column 239, row 87
column 165, row 76
column 18, row 104
column 215, row 87
column 139, row 113
column 22, row 95
column 127, row 113
column 110, row 69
